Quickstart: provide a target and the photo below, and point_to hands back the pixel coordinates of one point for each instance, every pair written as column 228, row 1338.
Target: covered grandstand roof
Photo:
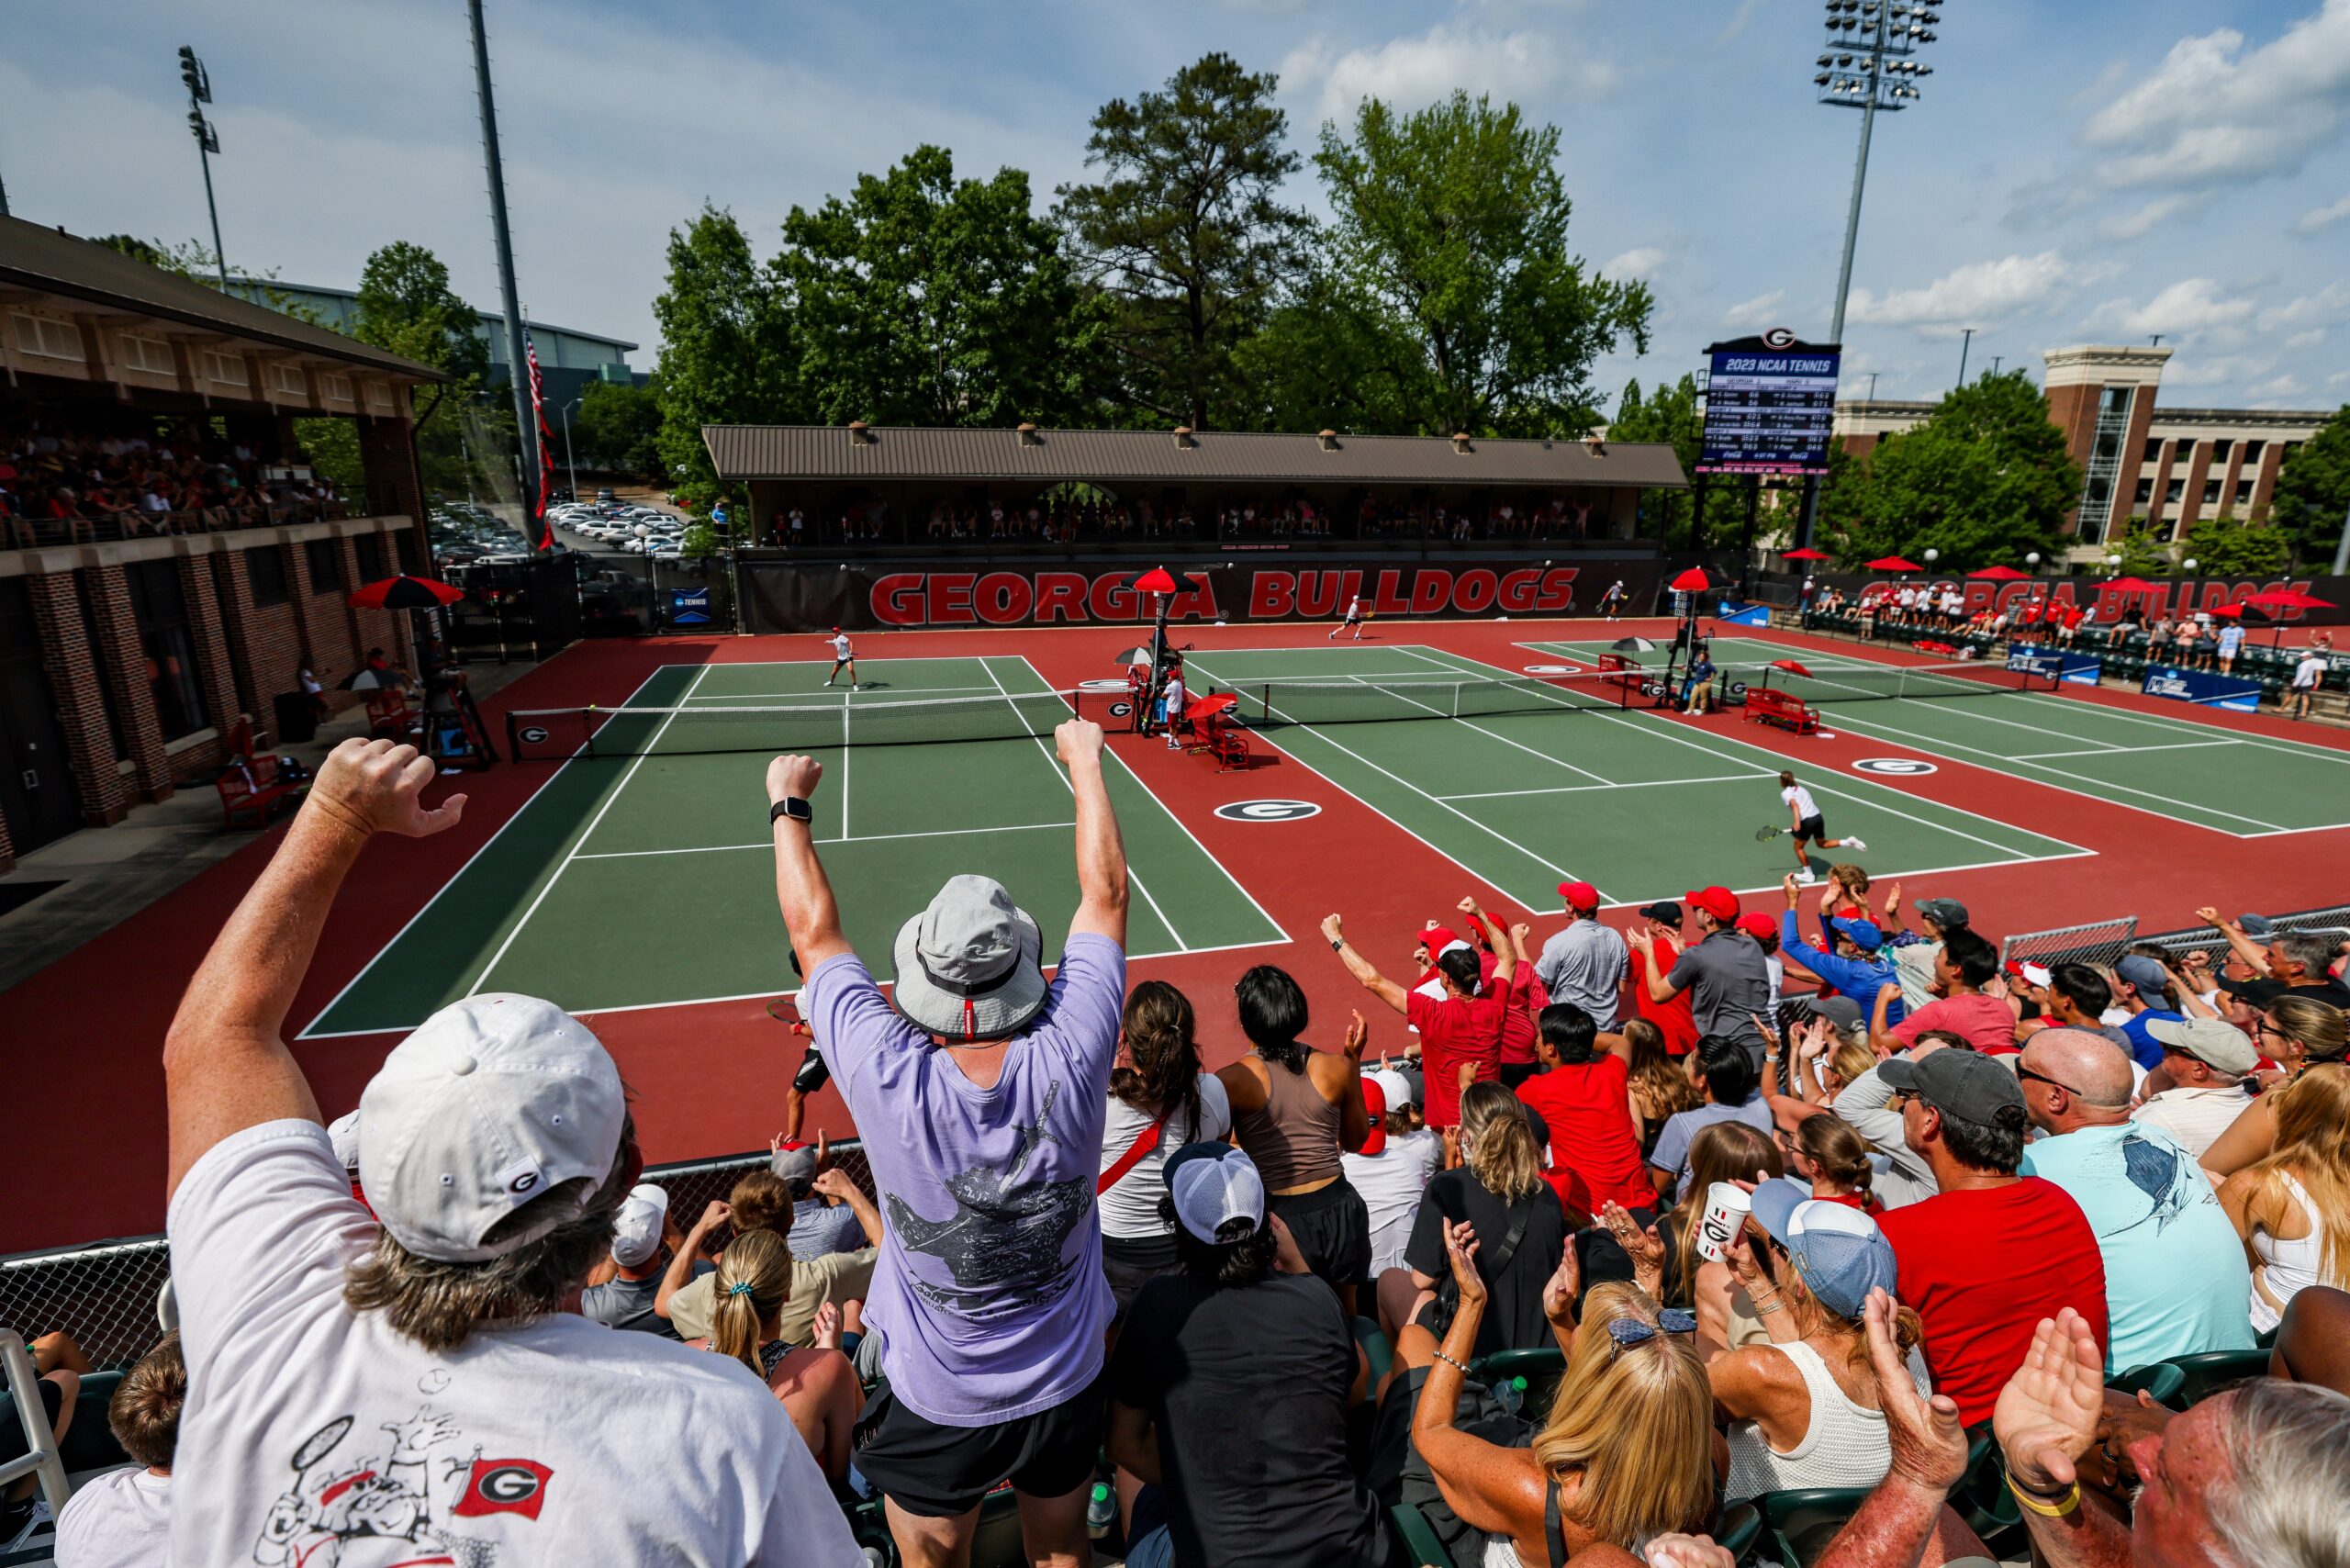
column 899, row 453
column 52, row 261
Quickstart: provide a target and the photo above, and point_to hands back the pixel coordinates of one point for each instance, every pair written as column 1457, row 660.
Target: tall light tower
column 208, row 142
column 526, row 429
column 1867, row 64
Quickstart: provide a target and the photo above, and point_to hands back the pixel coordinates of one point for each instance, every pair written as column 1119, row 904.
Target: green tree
column 406, row 307
column 1669, row 413
column 1984, row 480
column 2222, row 548
column 1451, row 228
column 2143, row 553
column 2312, row 496
column 724, row 349
column 1322, row 363
column 924, row 300
column 619, row 427
column 1183, row 233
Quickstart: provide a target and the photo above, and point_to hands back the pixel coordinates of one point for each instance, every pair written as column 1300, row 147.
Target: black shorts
column 942, row 1471
column 850, row 660
column 1813, row 828
column 1514, row 1073
column 1332, row 1226
column 1129, row 1265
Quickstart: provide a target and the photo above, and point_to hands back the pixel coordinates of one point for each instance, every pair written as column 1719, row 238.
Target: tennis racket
column 784, row 1010
column 1765, row 835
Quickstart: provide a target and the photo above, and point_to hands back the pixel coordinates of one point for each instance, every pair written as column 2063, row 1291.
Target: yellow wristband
column 2066, row 1504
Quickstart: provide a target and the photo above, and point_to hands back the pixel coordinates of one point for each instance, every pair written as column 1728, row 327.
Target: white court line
column 1538, row 756
column 768, row 844
column 2108, row 751
column 1237, row 885
column 1672, row 732
column 585, row 834
column 458, row 875
column 1899, row 875
column 2267, row 743
column 762, row 695
column 1053, row 762
column 1586, row 788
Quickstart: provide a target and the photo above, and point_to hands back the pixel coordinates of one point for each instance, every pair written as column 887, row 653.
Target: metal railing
column 40, row 1457
column 104, row 1294
column 2102, row 942
column 25, row 532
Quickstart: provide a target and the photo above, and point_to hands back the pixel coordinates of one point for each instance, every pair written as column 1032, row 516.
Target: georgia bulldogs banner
column 783, row 596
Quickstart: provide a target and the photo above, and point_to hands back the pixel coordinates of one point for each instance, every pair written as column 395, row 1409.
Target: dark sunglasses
column 2023, row 1071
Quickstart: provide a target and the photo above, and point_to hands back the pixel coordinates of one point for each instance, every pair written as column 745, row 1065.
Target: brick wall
column 209, row 633
column 123, row 665
column 70, row 656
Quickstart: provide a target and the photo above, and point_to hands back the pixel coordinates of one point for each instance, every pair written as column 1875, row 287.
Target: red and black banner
column 784, row 596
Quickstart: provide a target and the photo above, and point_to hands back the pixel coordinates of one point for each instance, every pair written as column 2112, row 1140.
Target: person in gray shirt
column 1584, row 962
column 1724, row 973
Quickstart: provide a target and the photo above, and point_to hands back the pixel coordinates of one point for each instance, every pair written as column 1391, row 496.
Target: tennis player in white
column 1354, row 619
column 844, row 657
column 1809, row 828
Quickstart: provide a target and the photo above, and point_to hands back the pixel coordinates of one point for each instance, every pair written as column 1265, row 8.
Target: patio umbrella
column 1214, row 702
column 1791, row 667
column 1894, row 564
column 2132, row 584
column 2229, row 612
column 1133, row 655
column 404, row 592
column 2287, row 598
column 366, row 679
column 1694, row 580
column 2000, row 575
column 1806, row 554
column 1632, row 646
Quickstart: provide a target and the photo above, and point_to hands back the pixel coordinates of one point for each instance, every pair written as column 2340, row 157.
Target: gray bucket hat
column 968, row 965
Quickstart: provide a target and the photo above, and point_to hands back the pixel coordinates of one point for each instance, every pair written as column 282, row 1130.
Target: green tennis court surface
column 1638, row 806
column 648, row 879
column 2248, row 786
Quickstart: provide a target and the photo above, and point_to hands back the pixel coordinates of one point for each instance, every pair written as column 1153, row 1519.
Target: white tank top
column 1846, row 1444
column 2287, row 1266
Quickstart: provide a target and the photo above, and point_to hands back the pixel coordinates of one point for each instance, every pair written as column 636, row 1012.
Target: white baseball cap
column 1393, row 1085
column 343, row 1133
column 489, row 1103
column 1213, row 1183
column 636, row 1229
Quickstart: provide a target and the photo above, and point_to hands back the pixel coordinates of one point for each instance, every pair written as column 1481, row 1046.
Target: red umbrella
column 1155, row 580
column 1791, row 668
column 2290, row 599
column 1694, row 580
column 1894, row 564
column 2000, row 575
column 1214, row 702
column 2230, row 612
column 2132, row 584
column 1806, row 554
column 405, row 592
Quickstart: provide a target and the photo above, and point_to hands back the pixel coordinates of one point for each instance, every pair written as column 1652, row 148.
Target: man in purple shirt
column 979, row 1092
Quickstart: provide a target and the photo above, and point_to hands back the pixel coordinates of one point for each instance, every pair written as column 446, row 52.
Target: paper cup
column 1727, row 1207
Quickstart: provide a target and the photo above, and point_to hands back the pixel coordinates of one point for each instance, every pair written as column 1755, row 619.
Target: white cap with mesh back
column 1213, row 1185
column 491, row 1102
column 343, row 1133
column 636, row 1229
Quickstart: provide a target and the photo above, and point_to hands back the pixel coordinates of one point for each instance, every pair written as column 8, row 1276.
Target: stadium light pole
column 208, row 142
column 525, row 427
column 1868, row 64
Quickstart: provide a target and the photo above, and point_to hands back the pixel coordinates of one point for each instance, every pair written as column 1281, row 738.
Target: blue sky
column 2076, row 170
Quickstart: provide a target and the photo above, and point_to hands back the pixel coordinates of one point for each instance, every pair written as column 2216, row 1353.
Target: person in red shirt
column 1664, row 951
column 1964, row 965
column 1582, row 1095
column 1460, row 1035
column 1992, row 1253
column 1522, row 1002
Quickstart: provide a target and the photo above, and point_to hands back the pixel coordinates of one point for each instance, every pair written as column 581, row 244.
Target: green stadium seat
column 1739, row 1529
column 1543, row 1367
column 2211, row 1374
column 1375, row 1349
column 1981, row 1499
column 2160, row 1379
column 1803, row 1521
column 1421, row 1547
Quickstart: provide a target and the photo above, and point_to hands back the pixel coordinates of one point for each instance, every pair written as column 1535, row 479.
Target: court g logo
column 1268, row 811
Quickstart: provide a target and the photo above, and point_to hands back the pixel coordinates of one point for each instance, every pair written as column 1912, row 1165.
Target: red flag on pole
column 546, row 439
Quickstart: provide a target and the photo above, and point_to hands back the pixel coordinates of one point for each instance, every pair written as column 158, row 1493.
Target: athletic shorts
column 1129, row 1263
column 940, row 1472
column 850, row 660
column 1812, row 828
column 1332, row 1226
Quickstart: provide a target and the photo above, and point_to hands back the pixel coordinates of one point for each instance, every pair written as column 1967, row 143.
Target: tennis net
column 553, row 733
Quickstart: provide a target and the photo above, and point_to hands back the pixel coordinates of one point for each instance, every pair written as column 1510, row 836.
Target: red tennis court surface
column 81, row 1042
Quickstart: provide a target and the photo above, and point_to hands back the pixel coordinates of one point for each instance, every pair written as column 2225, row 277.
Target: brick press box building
column 2173, row 466
column 168, row 561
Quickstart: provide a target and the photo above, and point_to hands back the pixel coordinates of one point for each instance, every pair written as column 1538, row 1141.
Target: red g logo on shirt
column 505, row 1486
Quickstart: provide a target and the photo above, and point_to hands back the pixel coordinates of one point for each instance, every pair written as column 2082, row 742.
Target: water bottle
column 1511, row 1392
column 1102, row 1512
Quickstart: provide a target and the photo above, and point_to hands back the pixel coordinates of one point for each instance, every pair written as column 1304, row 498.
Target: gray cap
column 2144, row 975
column 1840, row 1010
column 2210, row 1041
column 1967, row 1085
column 1944, row 912
column 2259, row 927
column 967, row 966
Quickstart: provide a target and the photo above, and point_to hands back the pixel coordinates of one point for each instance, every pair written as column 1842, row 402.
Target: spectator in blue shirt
column 1858, row 967
column 2144, row 988
column 817, row 1227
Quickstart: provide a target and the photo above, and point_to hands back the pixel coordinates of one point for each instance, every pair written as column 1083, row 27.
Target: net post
column 587, row 731
column 513, row 737
column 1265, row 703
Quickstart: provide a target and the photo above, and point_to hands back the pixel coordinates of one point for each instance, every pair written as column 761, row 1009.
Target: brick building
column 2172, row 467
column 131, row 647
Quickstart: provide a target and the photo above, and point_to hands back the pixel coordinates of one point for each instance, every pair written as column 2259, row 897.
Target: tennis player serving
column 1809, row 828
column 844, row 657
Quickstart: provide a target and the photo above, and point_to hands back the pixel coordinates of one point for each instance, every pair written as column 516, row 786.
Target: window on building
column 2220, row 450
column 2244, row 492
column 152, row 355
column 2145, row 491
column 2186, row 448
column 49, row 337
column 265, row 571
column 2174, row 491
column 287, row 379
column 369, row 548
column 227, row 369
column 2210, row 492
column 336, row 387
column 2154, row 451
column 91, row 629
column 2251, row 451
column 159, row 607
column 324, row 557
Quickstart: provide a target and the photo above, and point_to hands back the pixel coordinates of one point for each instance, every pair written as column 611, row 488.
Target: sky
column 2074, row 170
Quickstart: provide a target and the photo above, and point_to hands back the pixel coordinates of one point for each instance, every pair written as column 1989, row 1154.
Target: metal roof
column 1048, row 456
column 54, row 262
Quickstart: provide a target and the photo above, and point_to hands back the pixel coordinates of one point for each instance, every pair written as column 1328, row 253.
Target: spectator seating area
column 1655, row 1239
column 1085, row 514
column 87, row 476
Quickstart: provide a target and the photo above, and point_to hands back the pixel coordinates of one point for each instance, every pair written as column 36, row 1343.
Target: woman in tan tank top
column 1294, row 1109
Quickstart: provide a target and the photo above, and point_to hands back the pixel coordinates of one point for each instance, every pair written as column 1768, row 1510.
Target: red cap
column 1579, row 895
column 1478, row 933
column 1720, row 902
column 1439, row 937
column 1374, row 1101
column 1758, row 925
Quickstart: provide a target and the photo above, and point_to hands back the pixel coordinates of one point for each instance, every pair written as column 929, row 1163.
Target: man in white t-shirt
column 414, row 1390
column 844, row 657
column 1808, row 827
column 2309, row 674
column 1393, row 1168
column 2231, row 638
column 1354, row 620
column 1175, row 698
column 123, row 1518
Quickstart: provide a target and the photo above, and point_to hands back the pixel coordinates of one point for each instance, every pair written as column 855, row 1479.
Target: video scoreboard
column 1770, row 406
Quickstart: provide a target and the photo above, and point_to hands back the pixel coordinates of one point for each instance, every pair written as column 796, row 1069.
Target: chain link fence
column 104, row 1293
column 2102, row 942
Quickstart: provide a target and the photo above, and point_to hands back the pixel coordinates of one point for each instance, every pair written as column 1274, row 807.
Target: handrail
column 20, row 531
column 42, row 1455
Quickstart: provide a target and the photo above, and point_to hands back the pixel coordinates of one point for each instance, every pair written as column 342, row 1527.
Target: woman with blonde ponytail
column 816, row 1385
column 1499, row 1189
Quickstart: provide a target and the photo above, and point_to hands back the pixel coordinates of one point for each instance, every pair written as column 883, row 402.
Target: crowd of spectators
column 1616, row 1231
column 84, row 479
column 1075, row 515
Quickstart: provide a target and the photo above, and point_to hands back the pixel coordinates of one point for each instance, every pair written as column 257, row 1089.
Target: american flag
column 546, row 441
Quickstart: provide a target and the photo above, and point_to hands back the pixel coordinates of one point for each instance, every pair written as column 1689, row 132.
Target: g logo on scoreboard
column 1268, row 811
column 1895, row 767
column 1778, row 338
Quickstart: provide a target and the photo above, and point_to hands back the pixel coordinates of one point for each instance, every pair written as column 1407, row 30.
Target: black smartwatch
column 792, row 806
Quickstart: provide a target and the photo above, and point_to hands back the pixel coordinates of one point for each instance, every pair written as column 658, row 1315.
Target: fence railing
column 104, row 1294
column 24, row 532
column 2102, row 942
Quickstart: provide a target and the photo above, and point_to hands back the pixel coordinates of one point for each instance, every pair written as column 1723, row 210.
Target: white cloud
column 1981, row 295
column 2321, row 218
column 2326, row 308
column 2307, row 340
column 2187, row 308
column 1737, row 24
column 1641, row 262
column 1763, row 310
column 2218, row 370
column 1411, row 72
column 2273, row 390
column 2138, row 224
column 2212, row 112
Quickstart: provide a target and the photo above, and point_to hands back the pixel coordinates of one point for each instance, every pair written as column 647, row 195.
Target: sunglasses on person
column 2023, row 1071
